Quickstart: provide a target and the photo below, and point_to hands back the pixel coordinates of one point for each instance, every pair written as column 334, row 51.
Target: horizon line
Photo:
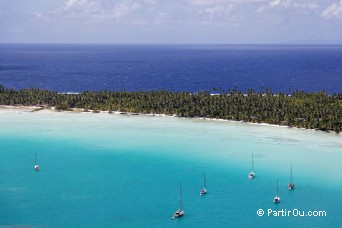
column 173, row 44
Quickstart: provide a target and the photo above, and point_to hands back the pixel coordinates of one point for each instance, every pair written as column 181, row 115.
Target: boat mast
column 252, row 163
column 180, row 196
column 205, row 182
column 277, row 187
column 291, row 174
column 35, row 158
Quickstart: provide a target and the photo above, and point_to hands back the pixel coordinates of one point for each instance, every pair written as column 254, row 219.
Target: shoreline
column 22, row 109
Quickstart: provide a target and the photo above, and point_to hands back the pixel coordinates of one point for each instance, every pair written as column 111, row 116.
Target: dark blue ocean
column 193, row 68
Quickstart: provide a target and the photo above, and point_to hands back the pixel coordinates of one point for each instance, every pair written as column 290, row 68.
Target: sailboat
column 252, row 174
column 179, row 212
column 36, row 166
column 291, row 185
column 204, row 190
column 276, row 199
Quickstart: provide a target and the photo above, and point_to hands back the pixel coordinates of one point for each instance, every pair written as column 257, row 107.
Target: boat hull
column 203, row 192
column 178, row 214
column 251, row 175
column 290, row 186
column 276, row 199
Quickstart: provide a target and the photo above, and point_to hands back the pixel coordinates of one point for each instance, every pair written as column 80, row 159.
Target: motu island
column 319, row 111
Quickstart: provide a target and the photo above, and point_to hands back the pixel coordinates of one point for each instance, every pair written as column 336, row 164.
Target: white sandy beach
column 22, row 109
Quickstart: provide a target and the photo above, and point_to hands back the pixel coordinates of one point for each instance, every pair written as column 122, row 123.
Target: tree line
column 317, row 110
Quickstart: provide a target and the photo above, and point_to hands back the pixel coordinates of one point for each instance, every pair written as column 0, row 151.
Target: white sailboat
column 291, row 185
column 36, row 166
column 276, row 199
column 204, row 190
column 252, row 174
column 179, row 212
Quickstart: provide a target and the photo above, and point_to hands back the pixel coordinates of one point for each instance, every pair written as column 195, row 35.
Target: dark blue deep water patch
column 76, row 68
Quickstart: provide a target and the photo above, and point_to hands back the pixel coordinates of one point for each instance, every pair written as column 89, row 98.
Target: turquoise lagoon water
column 101, row 170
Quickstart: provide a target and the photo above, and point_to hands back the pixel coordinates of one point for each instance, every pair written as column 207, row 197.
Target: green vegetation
column 307, row 110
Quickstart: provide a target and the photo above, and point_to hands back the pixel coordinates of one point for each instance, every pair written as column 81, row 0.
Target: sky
column 171, row 21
